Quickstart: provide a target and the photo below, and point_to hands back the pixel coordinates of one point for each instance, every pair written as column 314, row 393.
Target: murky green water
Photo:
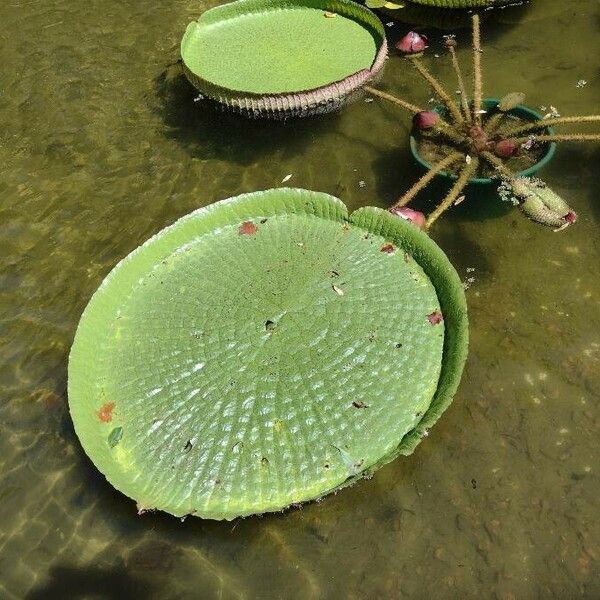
column 102, row 145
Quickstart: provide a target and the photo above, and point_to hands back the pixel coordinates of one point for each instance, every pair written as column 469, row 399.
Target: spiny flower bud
column 426, row 119
column 412, row 43
column 505, row 148
column 414, row 216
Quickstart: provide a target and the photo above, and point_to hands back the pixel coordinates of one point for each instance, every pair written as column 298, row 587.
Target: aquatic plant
column 228, row 56
column 265, row 351
column 483, row 138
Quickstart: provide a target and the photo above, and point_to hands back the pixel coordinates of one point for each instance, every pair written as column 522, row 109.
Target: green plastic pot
column 488, row 103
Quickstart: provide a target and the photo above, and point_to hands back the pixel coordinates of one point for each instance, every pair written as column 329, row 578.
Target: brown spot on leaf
column 106, row 411
column 248, row 228
column 388, row 248
column 359, row 404
column 435, row 317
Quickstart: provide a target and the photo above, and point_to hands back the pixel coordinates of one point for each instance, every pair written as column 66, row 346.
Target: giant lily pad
column 276, row 59
column 265, row 351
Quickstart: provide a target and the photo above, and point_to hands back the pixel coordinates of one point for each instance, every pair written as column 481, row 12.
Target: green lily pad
column 273, row 59
column 264, row 351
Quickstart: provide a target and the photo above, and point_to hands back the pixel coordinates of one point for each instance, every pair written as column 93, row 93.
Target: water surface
column 102, row 145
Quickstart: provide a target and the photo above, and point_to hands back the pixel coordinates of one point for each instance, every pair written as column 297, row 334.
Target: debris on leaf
column 350, row 464
column 359, row 404
column 188, row 446
column 435, row 317
column 105, row 412
column 248, row 228
column 388, row 248
column 329, row 15
column 337, row 290
column 114, row 437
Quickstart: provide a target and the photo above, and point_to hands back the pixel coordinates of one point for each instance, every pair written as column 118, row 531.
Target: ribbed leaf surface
column 276, row 59
column 265, row 351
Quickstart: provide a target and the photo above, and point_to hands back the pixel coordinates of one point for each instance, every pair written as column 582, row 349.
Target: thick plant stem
column 497, row 164
column 457, row 188
column 477, row 86
column 445, row 129
column 564, row 137
column 438, row 88
column 543, row 123
column 464, row 101
column 419, row 185
column 493, row 122
column 442, row 127
column 406, row 105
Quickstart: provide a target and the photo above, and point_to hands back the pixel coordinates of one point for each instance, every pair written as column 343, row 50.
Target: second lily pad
column 273, row 59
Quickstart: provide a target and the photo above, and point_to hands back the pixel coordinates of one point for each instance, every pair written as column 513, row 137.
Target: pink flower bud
column 414, row 216
column 412, row 43
column 505, row 148
column 426, row 119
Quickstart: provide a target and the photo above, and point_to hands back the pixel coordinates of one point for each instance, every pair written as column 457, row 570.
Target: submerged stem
column 457, row 188
column 464, row 101
column 421, row 183
column 438, row 88
column 477, row 85
column 563, row 137
column 390, row 98
column 497, row 164
column 543, row 123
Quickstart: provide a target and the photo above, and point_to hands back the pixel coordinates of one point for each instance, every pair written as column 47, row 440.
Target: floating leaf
column 231, row 351
column 244, row 55
column 510, row 101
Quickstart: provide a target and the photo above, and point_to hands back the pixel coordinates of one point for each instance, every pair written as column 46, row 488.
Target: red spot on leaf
column 248, row 228
column 435, row 317
column 388, row 248
column 105, row 412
